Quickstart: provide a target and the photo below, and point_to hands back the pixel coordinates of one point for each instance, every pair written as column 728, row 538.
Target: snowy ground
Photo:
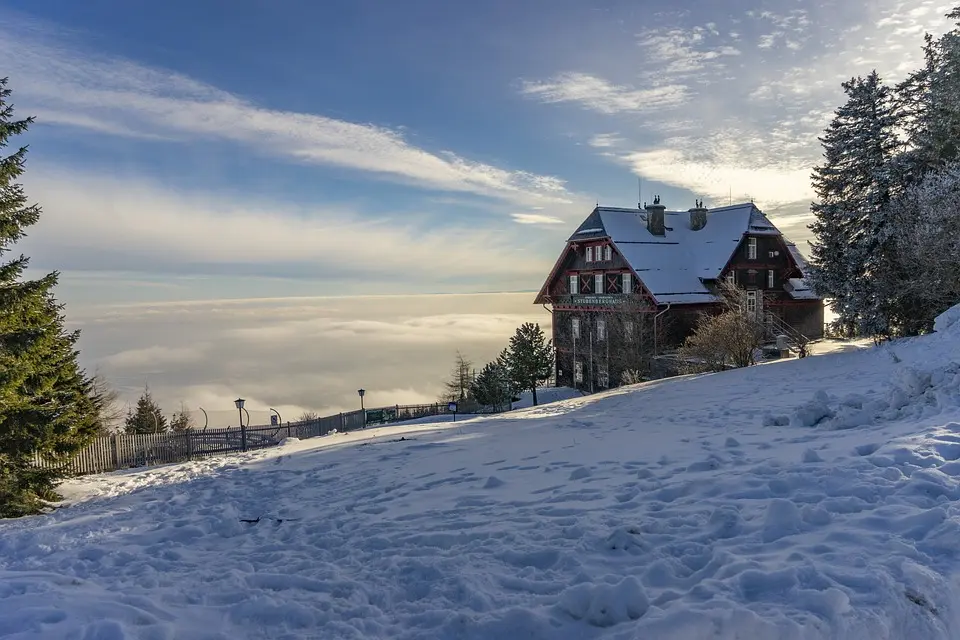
column 812, row 498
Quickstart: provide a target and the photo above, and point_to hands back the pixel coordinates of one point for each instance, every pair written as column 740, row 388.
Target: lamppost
column 243, row 431
column 362, row 392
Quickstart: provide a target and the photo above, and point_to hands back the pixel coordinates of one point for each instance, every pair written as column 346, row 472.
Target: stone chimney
column 655, row 221
column 698, row 216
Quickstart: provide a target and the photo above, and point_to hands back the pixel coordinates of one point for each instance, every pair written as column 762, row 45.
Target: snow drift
column 812, row 498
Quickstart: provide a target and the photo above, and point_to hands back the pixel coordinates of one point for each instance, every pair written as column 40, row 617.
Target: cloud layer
column 296, row 354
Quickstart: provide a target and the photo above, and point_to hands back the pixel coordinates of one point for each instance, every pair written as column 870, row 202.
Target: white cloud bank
column 296, row 354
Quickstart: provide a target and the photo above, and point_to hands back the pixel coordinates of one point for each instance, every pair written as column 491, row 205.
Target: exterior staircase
column 775, row 327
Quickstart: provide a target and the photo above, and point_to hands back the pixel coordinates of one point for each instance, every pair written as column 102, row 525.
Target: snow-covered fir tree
column 934, row 127
column 853, row 186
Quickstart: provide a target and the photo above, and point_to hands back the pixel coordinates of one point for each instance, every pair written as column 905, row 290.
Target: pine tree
column 492, row 387
column 147, row 418
column 530, row 358
column 854, row 184
column 181, row 421
column 47, row 403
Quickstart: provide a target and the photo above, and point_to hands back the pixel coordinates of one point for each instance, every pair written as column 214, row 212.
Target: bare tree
column 927, row 219
column 728, row 339
column 309, row 416
column 111, row 415
column 458, row 387
column 631, row 328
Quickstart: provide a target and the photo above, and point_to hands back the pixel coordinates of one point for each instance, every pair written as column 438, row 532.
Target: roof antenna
column 639, row 191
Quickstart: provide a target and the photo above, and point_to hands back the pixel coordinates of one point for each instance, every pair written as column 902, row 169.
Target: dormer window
column 589, row 254
column 607, row 253
column 751, row 248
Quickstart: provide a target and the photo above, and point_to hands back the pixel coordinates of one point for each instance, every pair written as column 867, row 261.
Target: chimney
column 655, row 221
column 698, row 216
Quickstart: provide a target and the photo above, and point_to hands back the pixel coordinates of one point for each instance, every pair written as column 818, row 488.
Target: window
column 751, row 248
column 585, row 283
column 613, row 283
column 575, row 326
column 628, row 330
column 589, row 254
column 627, row 283
column 598, row 283
column 578, row 372
column 751, row 302
column 732, row 277
column 607, row 253
column 574, row 284
column 601, row 329
column 770, row 279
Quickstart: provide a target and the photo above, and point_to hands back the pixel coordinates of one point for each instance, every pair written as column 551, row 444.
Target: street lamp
column 362, row 392
column 243, row 431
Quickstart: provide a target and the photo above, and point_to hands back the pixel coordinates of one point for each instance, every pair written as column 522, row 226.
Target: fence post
column 189, row 436
column 341, row 422
column 243, row 436
column 115, row 450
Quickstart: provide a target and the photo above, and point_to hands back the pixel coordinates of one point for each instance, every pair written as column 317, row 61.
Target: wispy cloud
column 535, row 218
column 605, row 140
column 97, row 223
column 683, row 52
column 602, row 96
column 761, row 87
column 74, row 88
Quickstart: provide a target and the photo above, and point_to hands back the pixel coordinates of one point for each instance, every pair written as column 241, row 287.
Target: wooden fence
column 124, row 451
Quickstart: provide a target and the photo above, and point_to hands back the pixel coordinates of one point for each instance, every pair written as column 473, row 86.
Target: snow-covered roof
column 800, row 289
column 673, row 266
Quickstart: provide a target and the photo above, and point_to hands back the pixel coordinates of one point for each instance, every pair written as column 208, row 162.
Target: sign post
column 452, row 408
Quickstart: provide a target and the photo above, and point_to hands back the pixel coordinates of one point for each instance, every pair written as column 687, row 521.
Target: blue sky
column 249, row 149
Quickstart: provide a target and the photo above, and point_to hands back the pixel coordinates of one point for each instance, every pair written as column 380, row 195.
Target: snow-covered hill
column 811, row 498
